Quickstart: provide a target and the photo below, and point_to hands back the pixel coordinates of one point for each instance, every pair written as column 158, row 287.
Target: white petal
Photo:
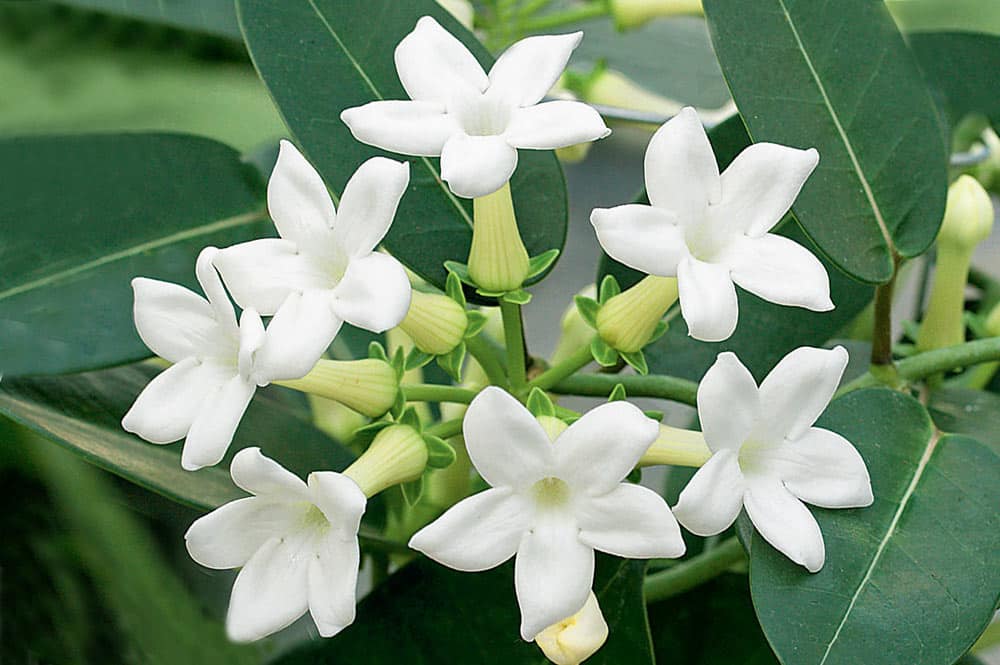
column 168, row 405
column 271, row 591
column 708, row 299
column 630, row 521
column 823, row 468
column 229, row 535
column 298, row 200
column 433, row 65
column 409, row 128
column 174, row 322
column 728, row 403
column 597, row 451
column 477, row 533
column 507, row 445
column 211, row 284
column 555, row 125
column 341, row 500
column 262, row 273
column 760, row 185
column 797, row 391
column 297, row 336
column 779, row 270
column 553, row 572
column 374, row 293
column 641, row 237
column 786, row 523
column 681, row 172
column 712, row 499
column 477, row 165
column 369, row 203
column 333, row 582
column 528, row 69
column 252, row 337
column 215, row 425
column 262, row 476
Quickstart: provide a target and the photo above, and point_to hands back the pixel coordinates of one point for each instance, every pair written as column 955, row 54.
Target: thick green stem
column 577, row 360
column 489, row 357
column 652, row 385
column 695, row 571
column 574, row 15
column 513, row 334
column 428, row 392
column 446, row 430
column 882, row 333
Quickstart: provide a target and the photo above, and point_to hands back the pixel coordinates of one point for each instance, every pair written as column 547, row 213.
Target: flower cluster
column 557, row 491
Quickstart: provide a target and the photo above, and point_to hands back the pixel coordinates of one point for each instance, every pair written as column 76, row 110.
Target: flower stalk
column 498, row 261
column 698, row 570
column 513, row 332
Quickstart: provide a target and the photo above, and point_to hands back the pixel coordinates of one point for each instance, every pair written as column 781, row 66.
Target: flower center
column 315, row 519
column 706, row 237
column 550, row 492
column 481, row 115
column 749, row 456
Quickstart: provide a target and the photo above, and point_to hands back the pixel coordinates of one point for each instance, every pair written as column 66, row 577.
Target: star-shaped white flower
column 552, row 503
column 711, row 230
column 323, row 270
column 215, row 370
column 767, row 456
column 475, row 122
column 297, row 544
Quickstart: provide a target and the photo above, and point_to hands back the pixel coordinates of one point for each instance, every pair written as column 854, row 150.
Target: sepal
column 636, row 360
column 602, row 353
column 453, row 361
column 539, row 264
column 412, row 491
column 618, row 393
column 539, row 404
column 440, row 453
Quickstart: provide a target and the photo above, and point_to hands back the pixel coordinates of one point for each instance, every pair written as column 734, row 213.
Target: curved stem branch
column 429, row 392
column 553, row 375
column 513, row 333
column 694, row 571
column 446, row 429
column 489, row 357
column 652, row 385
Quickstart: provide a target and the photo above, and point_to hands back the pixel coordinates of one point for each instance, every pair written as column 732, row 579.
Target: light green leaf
column 214, row 17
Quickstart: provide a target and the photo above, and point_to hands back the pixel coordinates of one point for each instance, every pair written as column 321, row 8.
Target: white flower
column 323, row 270
column 575, row 639
column 767, row 456
column 552, row 503
column 204, row 394
column 297, row 544
column 711, row 230
column 475, row 121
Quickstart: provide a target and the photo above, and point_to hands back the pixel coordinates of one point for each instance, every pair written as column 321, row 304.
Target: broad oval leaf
column 319, row 57
column 912, row 578
column 85, row 214
column 962, row 67
column 837, row 76
column 214, row 17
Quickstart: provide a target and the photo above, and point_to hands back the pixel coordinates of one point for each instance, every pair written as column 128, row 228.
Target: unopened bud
column 462, row 10
column 368, row 386
column 435, row 322
column 634, row 13
column 575, row 639
column 498, row 261
column 968, row 217
column 677, row 447
column 397, row 455
column 576, row 333
column 628, row 320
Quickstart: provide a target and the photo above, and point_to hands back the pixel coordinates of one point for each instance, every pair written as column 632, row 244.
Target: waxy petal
column 642, row 237
column 779, row 270
column 555, row 125
column 728, row 403
column 262, row 273
column 798, row 390
column 262, row 476
column 298, row 200
column 475, row 166
column 271, row 591
column 340, row 499
column 374, row 293
column 708, row 299
column 176, row 323
column 527, row 70
column 252, row 337
column 477, row 533
column 786, row 523
column 409, row 128
column 211, row 284
column 333, row 581
column 506, row 444
column 630, row 521
column 229, row 535
column 213, row 429
column 712, row 499
column 681, row 172
column 433, row 64
column 823, row 468
column 369, row 204
column 297, row 337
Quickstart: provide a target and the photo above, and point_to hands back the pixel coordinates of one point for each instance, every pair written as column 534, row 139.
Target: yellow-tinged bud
column 634, row 13
column 498, row 260
column 435, row 322
column 677, row 447
column 462, row 10
column 628, row 320
column 334, row 418
column 968, row 216
column 397, row 455
column 553, row 426
column 368, row 386
column 575, row 639
column 576, row 333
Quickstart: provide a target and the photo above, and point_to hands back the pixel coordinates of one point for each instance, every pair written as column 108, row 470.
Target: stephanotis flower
column 475, row 122
column 711, row 230
column 323, row 270
column 557, row 495
column 767, row 456
column 215, row 370
column 297, row 544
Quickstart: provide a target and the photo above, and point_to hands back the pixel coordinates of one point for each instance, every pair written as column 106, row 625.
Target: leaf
column 426, row 613
column 837, row 76
column 910, row 579
column 959, row 65
column 964, row 411
column 319, row 57
column 959, row 15
column 214, row 17
column 83, row 215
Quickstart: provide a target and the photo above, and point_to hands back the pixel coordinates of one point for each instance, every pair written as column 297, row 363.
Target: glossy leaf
column 912, row 578
column 837, row 76
column 426, row 613
column 215, row 17
column 85, row 214
column 958, row 15
column 975, row 413
column 319, row 57
column 961, row 66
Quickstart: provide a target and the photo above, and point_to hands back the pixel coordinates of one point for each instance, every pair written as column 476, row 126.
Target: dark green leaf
column 912, row 578
column 964, row 411
column 83, row 215
column 837, row 76
column 961, row 66
column 959, row 15
column 319, row 57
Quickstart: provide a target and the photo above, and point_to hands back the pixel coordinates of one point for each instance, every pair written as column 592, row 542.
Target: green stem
column 574, row 15
column 651, row 385
column 513, row 334
column 934, row 362
column 532, row 7
column 553, row 375
column 446, row 429
column 429, row 392
column 882, row 334
column 488, row 355
column 695, row 571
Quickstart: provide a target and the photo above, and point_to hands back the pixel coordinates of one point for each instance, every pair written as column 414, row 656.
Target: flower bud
column 634, row 13
column 576, row 332
column 498, row 261
column 368, row 386
column 334, row 418
column 575, row 639
column 628, row 320
column 397, row 455
column 968, row 216
column 434, row 322
column 677, row 447
column 462, row 10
